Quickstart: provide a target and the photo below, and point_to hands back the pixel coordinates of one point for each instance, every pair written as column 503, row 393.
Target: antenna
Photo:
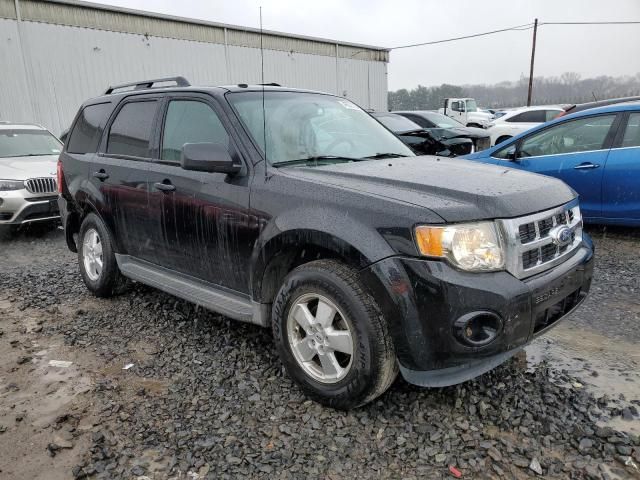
column 264, row 113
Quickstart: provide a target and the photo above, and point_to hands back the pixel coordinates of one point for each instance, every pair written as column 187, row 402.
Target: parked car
column 446, row 127
column 575, row 108
column 28, row 190
column 424, row 141
column 596, row 152
column 519, row 120
column 465, row 111
column 360, row 256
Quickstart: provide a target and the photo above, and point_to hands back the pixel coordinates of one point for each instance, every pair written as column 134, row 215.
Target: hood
column 480, row 115
column 23, row 168
column 456, row 190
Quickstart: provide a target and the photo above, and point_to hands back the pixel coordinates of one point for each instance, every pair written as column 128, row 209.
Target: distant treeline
column 567, row 88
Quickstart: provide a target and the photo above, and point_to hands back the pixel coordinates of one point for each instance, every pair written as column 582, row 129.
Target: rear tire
column 331, row 336
column 97, row 259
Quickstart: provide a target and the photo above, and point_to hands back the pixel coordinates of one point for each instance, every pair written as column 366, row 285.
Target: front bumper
column 18, row 207
column 423, row 299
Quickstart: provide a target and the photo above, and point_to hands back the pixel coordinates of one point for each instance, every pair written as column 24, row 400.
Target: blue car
column 596, row 152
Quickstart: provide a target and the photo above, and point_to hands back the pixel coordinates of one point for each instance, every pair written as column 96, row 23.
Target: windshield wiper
column 312, row 161
column 385, row 155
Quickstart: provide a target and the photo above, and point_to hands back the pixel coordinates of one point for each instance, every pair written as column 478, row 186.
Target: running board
column 232, row 305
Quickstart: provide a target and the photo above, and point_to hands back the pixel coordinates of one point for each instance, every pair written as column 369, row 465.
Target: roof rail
column 180, row 82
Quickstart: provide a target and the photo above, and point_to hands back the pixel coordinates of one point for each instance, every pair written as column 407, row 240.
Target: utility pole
column 533, row 57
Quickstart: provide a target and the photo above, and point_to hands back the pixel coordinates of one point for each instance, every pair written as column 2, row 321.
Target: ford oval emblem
column 560, row 235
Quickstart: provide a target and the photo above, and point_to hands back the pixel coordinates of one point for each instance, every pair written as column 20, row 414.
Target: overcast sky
column 588, row 50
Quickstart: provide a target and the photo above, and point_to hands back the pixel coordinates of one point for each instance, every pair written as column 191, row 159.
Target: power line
column 592, row 23
column 526, row 26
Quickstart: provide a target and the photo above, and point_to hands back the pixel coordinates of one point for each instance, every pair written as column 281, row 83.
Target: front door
column 621, row 182
column 202, row 218
column 574, row 151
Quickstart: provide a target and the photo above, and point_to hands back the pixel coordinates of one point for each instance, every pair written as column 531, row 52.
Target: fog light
column 477, row 329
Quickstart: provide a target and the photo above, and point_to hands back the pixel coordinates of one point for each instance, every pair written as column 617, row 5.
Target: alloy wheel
column 320, row 337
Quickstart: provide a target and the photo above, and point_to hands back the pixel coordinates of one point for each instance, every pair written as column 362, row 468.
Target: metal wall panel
column 363, row 82
column 7, row 9
column 66, row 65
column 15, row 103
column 103, row 17
column 285, row 68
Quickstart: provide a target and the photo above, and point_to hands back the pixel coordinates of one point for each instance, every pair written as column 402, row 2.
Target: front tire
column 331, row 336
column 97, row 259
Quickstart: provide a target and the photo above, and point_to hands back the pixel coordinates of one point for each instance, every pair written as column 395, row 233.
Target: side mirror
column 208, row 157
column 513, row 155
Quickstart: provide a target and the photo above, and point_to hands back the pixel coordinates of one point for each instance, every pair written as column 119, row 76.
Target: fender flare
column 327, row 230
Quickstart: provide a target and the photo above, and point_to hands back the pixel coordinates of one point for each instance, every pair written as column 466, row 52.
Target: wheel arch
column 84, row 207
column 502, row 139
column 288, row 250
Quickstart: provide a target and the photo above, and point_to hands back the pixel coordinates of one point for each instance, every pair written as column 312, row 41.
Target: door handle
column 586, row 166
column 101, row 175
column 165, row 187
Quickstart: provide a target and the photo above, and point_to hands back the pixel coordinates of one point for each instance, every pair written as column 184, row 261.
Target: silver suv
column 28, row 188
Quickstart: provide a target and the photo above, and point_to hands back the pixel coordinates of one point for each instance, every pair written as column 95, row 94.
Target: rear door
column 201, row 218
column 621, row 182
column 120, row 174
column 574, row 151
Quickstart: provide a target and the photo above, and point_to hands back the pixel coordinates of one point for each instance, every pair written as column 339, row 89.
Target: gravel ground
column 206, row 397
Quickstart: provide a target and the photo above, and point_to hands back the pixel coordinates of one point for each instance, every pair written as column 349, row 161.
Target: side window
column 190, row 121
column 131, row 131
column 423, row 122
column 632, row 133
column 88, row 129
column 551, row 114
column 507, row 153
column 582, row 135
column 456, row 106
column 532, row 116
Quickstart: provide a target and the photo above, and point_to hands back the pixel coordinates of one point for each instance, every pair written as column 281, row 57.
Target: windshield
column 397, row 123
column 26, row 143
column 304, row 125
column 441, row 121
column 472, row 106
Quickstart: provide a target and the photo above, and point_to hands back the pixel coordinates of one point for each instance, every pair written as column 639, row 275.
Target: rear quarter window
column 87, row 130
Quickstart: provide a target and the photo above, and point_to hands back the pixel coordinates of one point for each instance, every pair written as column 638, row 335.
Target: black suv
column 299, row 211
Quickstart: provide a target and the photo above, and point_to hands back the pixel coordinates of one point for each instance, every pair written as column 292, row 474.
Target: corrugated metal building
column 57, row 53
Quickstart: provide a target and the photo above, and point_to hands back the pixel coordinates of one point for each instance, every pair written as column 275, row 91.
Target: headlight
column 11, row 185
column 476, row 247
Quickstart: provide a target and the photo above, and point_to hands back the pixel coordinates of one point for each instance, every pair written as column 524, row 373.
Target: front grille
column 42, row 185
column 483, row 143
column 530, row 246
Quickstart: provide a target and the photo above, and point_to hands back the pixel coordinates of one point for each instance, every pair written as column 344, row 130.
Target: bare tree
column 567, row 89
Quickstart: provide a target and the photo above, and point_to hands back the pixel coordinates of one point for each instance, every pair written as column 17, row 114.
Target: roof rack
column 180, row 82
